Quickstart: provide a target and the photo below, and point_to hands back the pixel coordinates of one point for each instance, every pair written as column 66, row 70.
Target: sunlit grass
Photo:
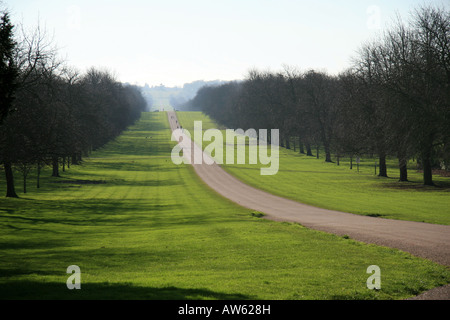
column 327, row 185
column 153, row 230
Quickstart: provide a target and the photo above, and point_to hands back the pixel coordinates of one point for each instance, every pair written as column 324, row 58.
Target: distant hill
column 169, row 98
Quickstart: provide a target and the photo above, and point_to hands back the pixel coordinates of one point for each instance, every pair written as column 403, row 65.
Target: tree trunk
column 351, row 162
column 24, row 183
column 308, row 150
column 64, row 164
column 427, row 171
column 288, row 144
column 55, row 165
column 300, row 145
column 327, row 154
column 337, row 159
column 382, row 165
column 402, row 165
column 294, row 144
column 317, row 152
column 38, row 175
column 10, row 191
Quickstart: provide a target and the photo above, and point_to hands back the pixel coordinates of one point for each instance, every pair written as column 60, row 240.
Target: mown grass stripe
column 171, row 237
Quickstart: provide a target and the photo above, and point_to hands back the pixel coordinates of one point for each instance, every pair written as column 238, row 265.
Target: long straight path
column 425, row 240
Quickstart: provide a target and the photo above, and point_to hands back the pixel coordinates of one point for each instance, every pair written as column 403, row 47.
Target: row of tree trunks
column 402, row 162
column 10, row 188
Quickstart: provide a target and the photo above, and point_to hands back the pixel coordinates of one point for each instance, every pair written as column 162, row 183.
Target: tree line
column 392, row 101
column 50, row 114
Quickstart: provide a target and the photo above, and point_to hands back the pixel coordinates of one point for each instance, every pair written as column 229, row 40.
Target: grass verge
column 313, row 181
column 152, row 230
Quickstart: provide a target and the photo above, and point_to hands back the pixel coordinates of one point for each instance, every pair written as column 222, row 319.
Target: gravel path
column 430, row 241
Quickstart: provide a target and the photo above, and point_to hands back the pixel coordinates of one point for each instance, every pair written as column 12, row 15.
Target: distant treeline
column 182, row 100
column 51, row 114
column 393, row 101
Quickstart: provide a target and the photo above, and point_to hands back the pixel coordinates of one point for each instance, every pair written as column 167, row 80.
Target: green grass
column 327, row 185
column 153, row 230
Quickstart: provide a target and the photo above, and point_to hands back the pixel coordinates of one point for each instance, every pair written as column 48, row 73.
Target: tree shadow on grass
column 41, row 290
column 417, row 186
column 67, row 183
column 105, row 213
column 55, row 216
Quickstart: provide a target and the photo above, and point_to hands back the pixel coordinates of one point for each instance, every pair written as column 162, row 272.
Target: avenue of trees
column 51, row 114
column 393, row 101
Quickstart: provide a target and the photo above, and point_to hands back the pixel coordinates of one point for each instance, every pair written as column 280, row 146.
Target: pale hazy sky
column 173, row 41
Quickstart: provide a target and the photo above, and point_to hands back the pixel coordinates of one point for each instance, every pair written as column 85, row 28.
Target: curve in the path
column 425, row 240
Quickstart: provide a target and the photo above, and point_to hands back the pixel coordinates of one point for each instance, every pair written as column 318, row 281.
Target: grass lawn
column 153, row 230
column 327, row 185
